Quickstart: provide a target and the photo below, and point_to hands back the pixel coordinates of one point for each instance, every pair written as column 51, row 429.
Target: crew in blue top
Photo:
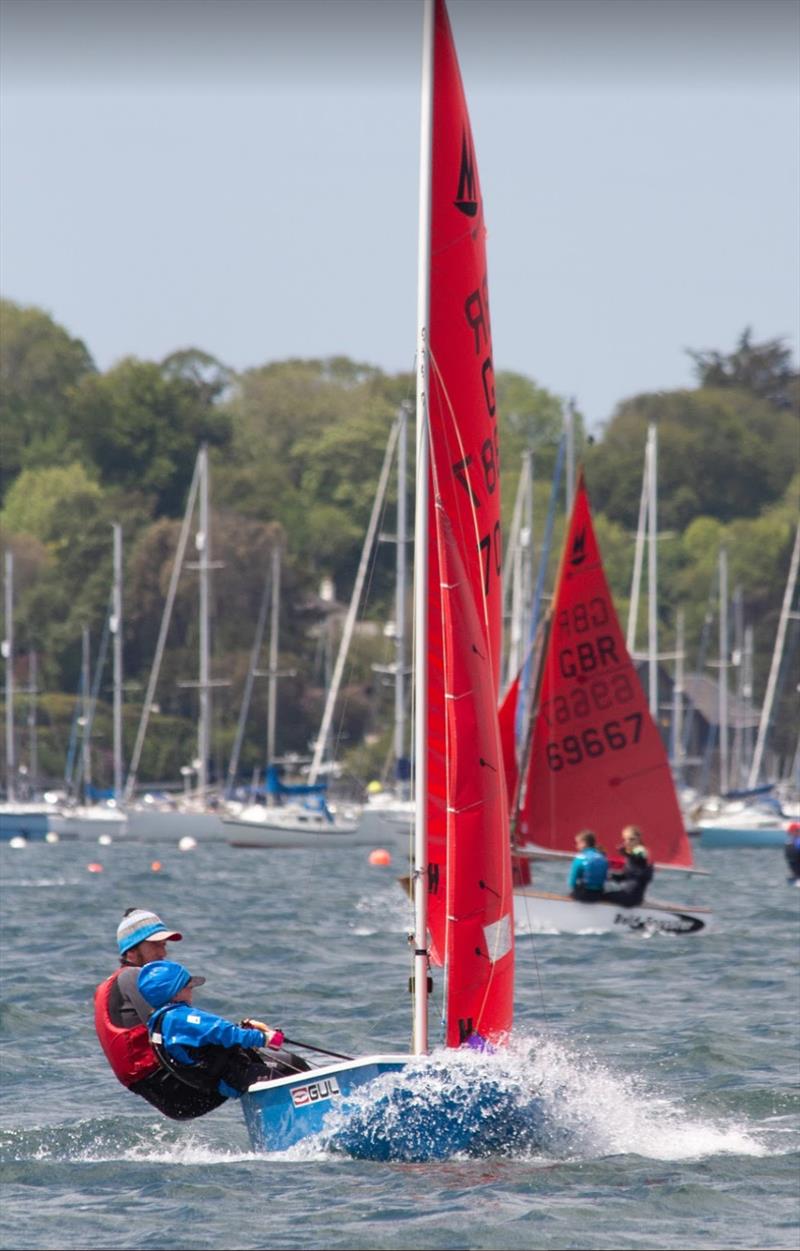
column 203, row 1049
column 588, row 870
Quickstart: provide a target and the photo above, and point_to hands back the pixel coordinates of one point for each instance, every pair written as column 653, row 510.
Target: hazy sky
column 241, row 177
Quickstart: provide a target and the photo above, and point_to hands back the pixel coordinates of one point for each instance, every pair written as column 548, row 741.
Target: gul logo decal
column 314, row 1092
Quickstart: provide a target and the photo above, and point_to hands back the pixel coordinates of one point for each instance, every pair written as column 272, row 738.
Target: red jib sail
column 597, row 760
column 469, row 864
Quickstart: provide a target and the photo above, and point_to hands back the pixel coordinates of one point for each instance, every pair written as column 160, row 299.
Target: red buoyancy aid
column 128, row 1051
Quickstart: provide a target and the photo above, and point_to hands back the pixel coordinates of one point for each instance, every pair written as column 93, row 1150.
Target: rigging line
column 355, row 598
column 177, row 564
column 364, row 599
column 98, row 674
column 536, row 659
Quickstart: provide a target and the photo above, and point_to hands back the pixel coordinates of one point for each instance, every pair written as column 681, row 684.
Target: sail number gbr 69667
column 590, row 683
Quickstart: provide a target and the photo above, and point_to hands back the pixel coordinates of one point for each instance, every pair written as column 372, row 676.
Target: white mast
column 33, row 692
column 352, row 612
column 777, row 655
column 86, row 717
column 8, row 656
column 723, row 670
column 203, row 543
column 420, row 1038
column 147, row 706
column 517, row 572
column 400, row 599
column 633, row 603
column 652, row 575
column 272, row 673
column 747, row 700
column 569, row 480
column 677, row 700
column 116, row 630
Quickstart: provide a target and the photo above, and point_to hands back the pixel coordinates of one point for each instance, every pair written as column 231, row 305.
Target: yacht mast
column 8, row 656
column 272, row 675
column 652, row 574
column 203, row 544
column 723, row 670
column 116, row 630
column 777, row 655
column 420, row 876
column 400, row 599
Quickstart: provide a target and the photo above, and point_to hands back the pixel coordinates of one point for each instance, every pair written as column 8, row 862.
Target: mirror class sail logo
column 578, row 554
column 466, row 201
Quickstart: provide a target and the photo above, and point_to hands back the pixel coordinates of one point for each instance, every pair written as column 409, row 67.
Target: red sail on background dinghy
column 469, row 866
column 597, row 760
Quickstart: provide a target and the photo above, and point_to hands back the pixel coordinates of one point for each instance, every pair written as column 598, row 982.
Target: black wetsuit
column 632, row 881
column 792, row 851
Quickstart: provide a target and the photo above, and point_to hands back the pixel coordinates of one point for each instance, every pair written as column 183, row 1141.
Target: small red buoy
column 380, row 856
column 95, row 868
column 155, row 866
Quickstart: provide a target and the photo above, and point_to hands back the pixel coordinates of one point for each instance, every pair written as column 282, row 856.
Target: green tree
column 721, row 453
column 142, row 427
column 38, row 499
column 39, row 366
column 762, row 369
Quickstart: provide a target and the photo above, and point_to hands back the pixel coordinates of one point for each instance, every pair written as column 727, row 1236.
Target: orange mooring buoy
column 380, row 856
column 95, row 868
column 155, row 866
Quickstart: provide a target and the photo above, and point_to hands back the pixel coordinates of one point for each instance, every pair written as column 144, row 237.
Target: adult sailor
column 121, row 1015
column 636, row 873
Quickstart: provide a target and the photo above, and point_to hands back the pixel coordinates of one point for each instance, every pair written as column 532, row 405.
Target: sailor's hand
column 251, row 1023
column 272, row 1037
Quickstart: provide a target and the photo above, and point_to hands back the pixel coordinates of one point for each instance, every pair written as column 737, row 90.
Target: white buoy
column 18, row 841
column 104, row 840
column 51, row 837
column 187, row 843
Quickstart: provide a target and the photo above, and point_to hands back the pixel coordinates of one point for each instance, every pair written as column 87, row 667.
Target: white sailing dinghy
column 594, row 758
column 462, row 869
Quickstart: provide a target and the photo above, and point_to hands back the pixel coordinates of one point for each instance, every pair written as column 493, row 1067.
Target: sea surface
column 668, row 1065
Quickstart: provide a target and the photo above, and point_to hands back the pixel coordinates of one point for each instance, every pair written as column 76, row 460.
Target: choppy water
column 668, row 1066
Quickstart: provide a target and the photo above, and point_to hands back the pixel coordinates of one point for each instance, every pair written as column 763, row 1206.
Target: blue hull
column 281, row 1113
column 729, row 836
column 397, row 1108
column 22, row 824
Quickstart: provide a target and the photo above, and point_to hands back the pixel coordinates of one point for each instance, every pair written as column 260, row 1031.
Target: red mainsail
column 469, row 863
column 597, row 760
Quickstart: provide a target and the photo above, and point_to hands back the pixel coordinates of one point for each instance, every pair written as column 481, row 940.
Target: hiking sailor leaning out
column 121, row 1015
column 201, row 1049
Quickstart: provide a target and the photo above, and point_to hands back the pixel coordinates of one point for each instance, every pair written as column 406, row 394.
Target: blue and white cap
column 139, row 926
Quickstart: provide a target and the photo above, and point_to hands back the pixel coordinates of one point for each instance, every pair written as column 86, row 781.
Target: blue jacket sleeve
column 575, row 872
column 187, row 1026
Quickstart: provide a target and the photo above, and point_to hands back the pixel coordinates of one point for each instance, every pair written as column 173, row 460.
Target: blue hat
column 139, row 925
column 161, row 980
